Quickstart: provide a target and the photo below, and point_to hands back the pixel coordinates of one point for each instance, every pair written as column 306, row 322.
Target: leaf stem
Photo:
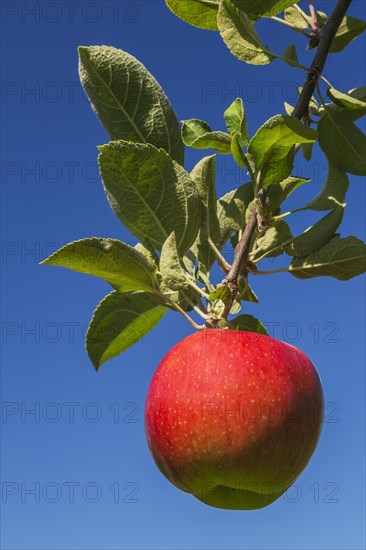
column 313, row 17
column 285, row 214
column 297, row 65
column 326, row 81
column 223, row 264
column 257, row 183
column 272, row 271
column 322, row 100
column 194, row 307
column 187, row 317
column 305, row 16
column 290, row 25
column 192, row 283
column 279, row 247
column 202, row 307
column 190, row 280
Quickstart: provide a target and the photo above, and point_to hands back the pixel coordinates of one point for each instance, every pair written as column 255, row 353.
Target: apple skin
column 233, row 417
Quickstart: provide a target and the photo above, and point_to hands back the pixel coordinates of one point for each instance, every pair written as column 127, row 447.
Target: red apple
column 233, row 417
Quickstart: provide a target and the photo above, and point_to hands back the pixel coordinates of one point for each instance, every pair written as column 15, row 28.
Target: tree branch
column 243, row 247
column 301, row 109
column 327, row 35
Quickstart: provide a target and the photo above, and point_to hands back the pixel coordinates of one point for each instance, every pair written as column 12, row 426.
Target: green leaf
column 236, row 121
column 289, row 108
column 238, row 153
column 220, row 142
column 221, row 298
column 321, row 18
column 246, row 292
column 331, row 195
column 209, row 236
column 251, row 163
column 183, row 298
column 190, row 263
column 295, row 18
column 347, row 101
column 119, row 321
column 342, row 142
column 236, row 307
column 269, row 243
column 170, row 266
column 128, row 100
column 231, row 209
column 147, row 250
column 316, row 236
column 358, row 93
column 240, row 37
column 199, row 13
column 290, row 55
column 313, row 107
column 307, row 150
column 186, row 294
column 151, row 194
column 333, row 191
column 278, row 192
column 272, row 146
column 354, row 114
column 222, row 292
column 119, row 264
column 247, row 323
column 349, row 29
column 339, row 258
column 278, row 165
column 198, row 134
column 255, row 9
column 194, row 129
column 203, row 175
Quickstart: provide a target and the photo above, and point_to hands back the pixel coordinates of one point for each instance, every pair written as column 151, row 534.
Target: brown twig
column 327, row 35
column 301, row 109
column 243, row 247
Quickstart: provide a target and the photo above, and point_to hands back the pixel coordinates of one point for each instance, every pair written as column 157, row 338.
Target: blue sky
column 77, row 473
